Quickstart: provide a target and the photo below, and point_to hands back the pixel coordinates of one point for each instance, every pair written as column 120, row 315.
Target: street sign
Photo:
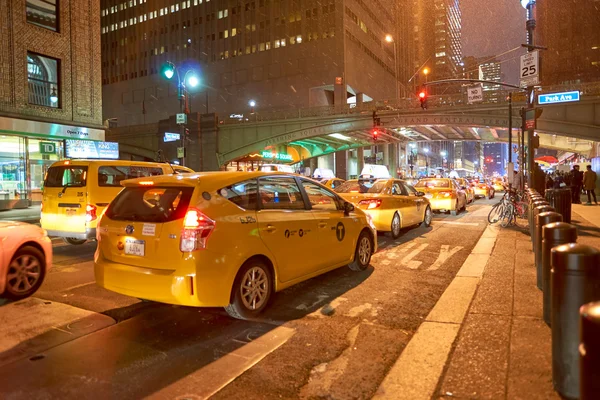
column 563, row 97
column 47, row 148
column 181, row 118
column 180, row 152
column 171, row 137
column 530, row 69
column 474, row 94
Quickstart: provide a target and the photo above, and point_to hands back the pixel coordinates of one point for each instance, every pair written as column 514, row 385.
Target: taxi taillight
column 445, row 194
column 370, row 203
column 196, row 229
column 90, row 212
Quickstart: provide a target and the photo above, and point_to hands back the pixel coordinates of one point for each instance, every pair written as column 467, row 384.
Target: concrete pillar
column 340, row 95
column 393, row 156
column 386, row 155
column 360, row 160
column 313, row 164
column 341, row 164
column 359, row 99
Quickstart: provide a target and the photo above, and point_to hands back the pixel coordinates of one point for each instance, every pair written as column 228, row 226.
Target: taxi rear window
column 243, row 194
column 112, row 175
column 66, row 175
column 435, row 183
column 362, row 186
column 150, row 204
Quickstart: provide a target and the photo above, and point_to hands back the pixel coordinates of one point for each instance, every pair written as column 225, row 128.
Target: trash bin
column 575, row 281
column 560, row 199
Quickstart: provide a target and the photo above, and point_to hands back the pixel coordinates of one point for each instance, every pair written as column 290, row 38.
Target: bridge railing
column 409, row 105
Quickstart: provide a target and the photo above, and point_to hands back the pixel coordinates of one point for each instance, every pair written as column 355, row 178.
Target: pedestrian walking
column 589, row 184
column 576, row 184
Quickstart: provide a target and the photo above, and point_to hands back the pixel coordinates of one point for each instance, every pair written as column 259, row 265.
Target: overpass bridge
column 313, row 132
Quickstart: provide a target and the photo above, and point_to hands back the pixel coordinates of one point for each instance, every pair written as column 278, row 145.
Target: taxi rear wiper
column 66, row 185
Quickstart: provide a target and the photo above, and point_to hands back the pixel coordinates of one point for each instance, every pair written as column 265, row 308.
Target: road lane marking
column 407, row 261
column 417, row 372
column 77, row 286
column 445, row 254
column 213, row 377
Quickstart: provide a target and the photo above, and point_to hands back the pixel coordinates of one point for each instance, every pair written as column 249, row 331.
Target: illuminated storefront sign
column 277, row 156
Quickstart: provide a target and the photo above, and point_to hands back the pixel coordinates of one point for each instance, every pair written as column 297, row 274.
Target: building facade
column 487, row 69
column 573, row 40
column 495, row 158
column 280, row 54
column 50, row 89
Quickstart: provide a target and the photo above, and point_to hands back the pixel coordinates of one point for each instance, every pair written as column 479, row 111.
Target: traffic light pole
column 183, row 110
column 530, row 24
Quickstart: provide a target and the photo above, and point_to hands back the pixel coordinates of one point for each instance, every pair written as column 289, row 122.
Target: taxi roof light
column 146, row 183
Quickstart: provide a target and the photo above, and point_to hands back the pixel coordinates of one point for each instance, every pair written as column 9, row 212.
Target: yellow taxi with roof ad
column 444, row 194
column 76, row 192
column 391, row 203
column 226, row 239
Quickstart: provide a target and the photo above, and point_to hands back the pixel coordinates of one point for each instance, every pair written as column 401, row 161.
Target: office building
column 50, row 89
column 487, row 69
column 572, row 37
column 495, row 158
column 437, row 40
column 280, row 54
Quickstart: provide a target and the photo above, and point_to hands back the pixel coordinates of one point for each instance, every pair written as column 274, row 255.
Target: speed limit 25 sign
column 530, row 69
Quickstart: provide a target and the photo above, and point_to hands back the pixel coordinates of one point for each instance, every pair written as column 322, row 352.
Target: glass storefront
column 23, row 165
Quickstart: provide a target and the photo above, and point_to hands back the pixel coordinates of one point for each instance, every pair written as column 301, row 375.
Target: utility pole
column 530, row 24
column 510, row 172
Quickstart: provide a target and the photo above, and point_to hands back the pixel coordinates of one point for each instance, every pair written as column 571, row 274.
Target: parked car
column 25, row 258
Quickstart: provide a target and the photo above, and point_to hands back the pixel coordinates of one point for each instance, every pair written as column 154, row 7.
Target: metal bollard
column 589, row 351
column 531, row 215
column 543, row 218
column 537, row 211
column 553, row 235
column 575, row 281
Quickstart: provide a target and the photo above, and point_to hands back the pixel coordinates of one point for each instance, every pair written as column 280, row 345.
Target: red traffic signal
column 375, row 134
column 422, row 94
column 423, row 98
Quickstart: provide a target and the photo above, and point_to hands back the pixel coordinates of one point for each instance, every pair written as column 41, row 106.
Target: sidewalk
column 31, row 215
column 503, row 349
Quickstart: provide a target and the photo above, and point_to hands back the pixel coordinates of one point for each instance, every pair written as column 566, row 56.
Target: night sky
column 492, row 27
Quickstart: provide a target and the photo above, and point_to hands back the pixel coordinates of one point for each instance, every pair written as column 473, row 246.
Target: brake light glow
column 196, row 229
column 90, row 213
column 67, row 162
column 370, row 203
column 482, row 186
column 146, row 183
column 445, row 194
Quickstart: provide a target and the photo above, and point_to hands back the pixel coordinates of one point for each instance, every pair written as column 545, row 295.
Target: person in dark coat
column 576, row 184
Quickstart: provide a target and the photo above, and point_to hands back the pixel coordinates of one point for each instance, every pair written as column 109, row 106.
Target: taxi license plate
column 71, row 211
column 429, row 196
column 135, row 247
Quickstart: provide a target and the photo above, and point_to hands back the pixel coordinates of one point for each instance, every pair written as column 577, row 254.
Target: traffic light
column 535, row 142
column 375, row 134
column 376, row 119
column 423, row 98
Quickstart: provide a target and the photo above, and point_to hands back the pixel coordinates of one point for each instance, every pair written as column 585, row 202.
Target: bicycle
column 511, row 210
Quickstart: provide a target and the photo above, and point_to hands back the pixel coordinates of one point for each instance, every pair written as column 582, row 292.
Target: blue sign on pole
column 553, row 98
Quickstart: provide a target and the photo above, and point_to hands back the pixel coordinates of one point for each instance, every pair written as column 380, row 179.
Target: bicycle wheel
column 507, row 216
column 521, row 217
column 495, row 213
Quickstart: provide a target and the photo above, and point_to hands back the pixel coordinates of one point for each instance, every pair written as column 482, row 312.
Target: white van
column 277, row 167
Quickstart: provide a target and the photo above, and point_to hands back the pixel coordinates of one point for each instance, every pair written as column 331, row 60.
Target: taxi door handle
column 322, row 224
column 270, row 228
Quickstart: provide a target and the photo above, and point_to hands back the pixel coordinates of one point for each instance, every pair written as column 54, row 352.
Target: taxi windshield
column 362, row 186
column 433, row 183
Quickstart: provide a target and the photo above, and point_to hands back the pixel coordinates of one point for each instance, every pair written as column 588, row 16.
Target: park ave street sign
column 563, row 97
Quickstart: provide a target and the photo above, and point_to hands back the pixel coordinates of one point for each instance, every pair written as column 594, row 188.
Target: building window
column 42, row 13
column 42, row 77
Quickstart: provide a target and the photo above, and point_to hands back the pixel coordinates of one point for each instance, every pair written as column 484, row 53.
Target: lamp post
column 411, row 157
column 426, row 151
column 443, row 154
column 426, row 73
column 390, row 39
column 530, row 24
column 169, row 70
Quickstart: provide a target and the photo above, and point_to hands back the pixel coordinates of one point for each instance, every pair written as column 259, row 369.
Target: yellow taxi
column 226, row 239
column 469, row 190
column 391, row 203
column 331, row 183
column 483, row 188
column 444, row 194
column 76, row 192
column 498, row 184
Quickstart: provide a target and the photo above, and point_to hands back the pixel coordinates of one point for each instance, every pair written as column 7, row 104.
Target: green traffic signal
column 168, row 70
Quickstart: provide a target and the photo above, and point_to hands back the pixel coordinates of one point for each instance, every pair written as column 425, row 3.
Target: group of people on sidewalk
column 576, row 181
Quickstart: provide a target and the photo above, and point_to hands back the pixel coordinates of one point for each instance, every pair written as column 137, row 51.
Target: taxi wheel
column 396, row 226
column 427, row 218
column 25, row 274
column 251, row 290
column 455, row 211
column 363, row 252
column 75, row 242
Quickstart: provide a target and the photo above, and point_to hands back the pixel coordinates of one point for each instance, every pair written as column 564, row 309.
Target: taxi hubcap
column 23, row 273
column 254, row 289
column 364, row 250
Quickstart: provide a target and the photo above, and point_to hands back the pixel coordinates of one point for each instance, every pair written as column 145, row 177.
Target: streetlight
column 426, row 72
column 411, row 157
column 390, row 39
column 426, row 151
column 169, row 70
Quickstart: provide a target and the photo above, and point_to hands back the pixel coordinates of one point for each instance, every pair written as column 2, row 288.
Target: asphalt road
column 334, row 336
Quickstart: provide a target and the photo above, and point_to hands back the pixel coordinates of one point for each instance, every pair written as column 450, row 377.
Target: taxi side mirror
column 463, row 187
column 348, row 208
column 420, row 194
